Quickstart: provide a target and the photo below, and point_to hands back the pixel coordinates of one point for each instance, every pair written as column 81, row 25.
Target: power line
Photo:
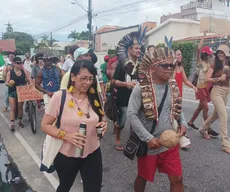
column 58, row 28
column 139, row 8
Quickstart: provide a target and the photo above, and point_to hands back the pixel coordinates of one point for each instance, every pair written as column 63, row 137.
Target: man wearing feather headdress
column 156, row 86
column 128, row 51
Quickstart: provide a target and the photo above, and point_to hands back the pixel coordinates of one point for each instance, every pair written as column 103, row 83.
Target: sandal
column 205, row 134
column 226, row 150
column 5, row 109
column 119, row 147
column 193, row 126
column 20, row 124
column 12, row 128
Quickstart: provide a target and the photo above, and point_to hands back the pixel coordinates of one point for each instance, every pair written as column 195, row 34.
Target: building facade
column 108, row 39
column 201, row 8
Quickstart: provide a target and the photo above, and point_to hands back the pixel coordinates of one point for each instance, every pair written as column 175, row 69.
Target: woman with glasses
column 16, row 77
column 82, row 105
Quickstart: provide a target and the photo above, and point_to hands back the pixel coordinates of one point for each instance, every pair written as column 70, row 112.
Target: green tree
column 73, row 35
column 84, row 35
column 23, row 41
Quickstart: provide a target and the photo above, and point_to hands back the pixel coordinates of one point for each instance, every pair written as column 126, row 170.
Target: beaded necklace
column 80, row 112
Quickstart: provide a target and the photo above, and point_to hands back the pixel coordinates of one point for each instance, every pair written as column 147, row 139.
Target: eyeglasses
column 166, row 66
column 86, row 79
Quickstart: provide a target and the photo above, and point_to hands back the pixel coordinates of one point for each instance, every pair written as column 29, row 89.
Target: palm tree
column 73, row 35
column 45, row 39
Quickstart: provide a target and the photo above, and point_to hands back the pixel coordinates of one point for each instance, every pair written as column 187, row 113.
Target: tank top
column 179, row 80
column 19, row 80
column 51, row 79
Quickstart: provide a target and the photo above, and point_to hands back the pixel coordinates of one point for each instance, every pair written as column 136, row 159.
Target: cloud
column 38, row 16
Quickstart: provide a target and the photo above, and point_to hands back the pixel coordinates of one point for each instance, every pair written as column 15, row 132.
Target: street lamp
column 77, row 3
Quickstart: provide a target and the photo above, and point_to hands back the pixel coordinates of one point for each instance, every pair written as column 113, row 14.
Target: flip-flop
column 119, row 147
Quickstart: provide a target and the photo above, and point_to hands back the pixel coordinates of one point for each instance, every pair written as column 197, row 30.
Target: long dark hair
column 86, row 64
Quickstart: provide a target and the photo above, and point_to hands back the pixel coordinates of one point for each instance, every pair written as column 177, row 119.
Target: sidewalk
column 25, row 163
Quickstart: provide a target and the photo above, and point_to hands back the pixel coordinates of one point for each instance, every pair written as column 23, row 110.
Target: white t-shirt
column 27, row 66
column 68, row 65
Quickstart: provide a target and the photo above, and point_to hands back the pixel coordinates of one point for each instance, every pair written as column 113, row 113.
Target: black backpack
column 110, row 106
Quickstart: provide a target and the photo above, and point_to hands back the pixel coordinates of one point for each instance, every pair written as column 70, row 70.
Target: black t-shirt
column 123, row 93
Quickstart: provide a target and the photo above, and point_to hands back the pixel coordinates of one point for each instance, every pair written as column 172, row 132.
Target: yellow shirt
column 65, row 80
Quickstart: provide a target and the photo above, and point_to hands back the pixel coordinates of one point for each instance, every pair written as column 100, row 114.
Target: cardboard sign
column 215, row 25
column 28, row 93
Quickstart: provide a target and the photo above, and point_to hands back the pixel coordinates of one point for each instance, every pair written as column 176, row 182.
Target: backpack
column 110, row 106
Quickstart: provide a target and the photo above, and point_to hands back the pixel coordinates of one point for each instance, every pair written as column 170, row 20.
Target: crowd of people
column 137, row 79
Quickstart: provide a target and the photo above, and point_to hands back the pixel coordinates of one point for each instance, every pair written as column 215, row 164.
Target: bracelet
column 217, row 79
column 61, row 134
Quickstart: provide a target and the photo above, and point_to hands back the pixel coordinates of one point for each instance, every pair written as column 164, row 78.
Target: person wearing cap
column 50, row 77
column 218, row 75
column 66, row 67
column 85, row 54
column 8, row 67
column 204, row 57
column 103, row 68
column 16, row 77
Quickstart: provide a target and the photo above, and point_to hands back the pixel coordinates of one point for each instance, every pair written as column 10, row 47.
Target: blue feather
column 142, row 35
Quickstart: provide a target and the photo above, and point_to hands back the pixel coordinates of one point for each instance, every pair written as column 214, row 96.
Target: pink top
column 70, row 122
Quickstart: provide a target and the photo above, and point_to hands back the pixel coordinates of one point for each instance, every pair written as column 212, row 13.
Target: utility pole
column 51, row 42
column 89, row 26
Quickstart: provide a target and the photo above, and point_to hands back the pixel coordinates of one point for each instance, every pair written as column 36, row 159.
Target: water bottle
column 99, row 132
column 82, row 131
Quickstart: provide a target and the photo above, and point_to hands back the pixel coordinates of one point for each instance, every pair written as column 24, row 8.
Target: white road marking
column 192, row 101
column 53, row 181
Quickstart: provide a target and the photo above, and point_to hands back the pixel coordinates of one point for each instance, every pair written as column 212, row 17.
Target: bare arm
column 119, row 83
column 29, row 80
column 210, row 79
column 186, row 81
column 227, row 41
column 200, row 47
column 7, row 78
column 38, row 81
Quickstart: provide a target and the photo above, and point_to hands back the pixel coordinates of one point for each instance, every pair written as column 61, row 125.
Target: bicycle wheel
column 33, row 119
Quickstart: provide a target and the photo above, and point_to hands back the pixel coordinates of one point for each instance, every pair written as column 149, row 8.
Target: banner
column 28, row 93
column 215, row 25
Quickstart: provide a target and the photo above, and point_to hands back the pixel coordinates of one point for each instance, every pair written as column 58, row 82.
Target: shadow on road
column 10, row 177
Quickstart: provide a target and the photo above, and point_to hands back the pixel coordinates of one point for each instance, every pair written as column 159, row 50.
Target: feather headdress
column 159, row 56
column 125, row 43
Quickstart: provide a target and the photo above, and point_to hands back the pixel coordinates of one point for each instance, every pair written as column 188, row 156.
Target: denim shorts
column 121, row 119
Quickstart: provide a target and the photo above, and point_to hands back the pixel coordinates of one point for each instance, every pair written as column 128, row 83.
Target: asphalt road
column 205, row 167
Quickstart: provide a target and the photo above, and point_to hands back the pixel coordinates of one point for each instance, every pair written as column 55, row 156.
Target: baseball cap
column 17, row 60
column 80, row 51
column 11, row 51
column 207, row 49
column 106, row 58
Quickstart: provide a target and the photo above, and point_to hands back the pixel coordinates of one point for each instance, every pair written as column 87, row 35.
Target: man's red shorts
column 167, row 162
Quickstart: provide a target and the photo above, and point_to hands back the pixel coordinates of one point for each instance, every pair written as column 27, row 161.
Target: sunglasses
column 18, row 62
column 45, row 58
column 166, row 66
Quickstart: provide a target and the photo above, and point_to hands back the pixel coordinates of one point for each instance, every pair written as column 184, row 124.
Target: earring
column 92, row 90
column 96, row 103
column 71, row 88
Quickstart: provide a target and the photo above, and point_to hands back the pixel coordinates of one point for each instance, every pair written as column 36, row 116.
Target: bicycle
column 31, row 112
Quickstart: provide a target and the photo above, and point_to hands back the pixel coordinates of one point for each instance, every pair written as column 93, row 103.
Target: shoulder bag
column 136, row 147
column 52, row 145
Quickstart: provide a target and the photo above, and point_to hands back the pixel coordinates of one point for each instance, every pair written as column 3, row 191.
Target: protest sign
column 28, row 93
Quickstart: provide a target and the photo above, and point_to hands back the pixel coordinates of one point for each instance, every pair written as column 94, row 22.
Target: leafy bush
column 188, row 52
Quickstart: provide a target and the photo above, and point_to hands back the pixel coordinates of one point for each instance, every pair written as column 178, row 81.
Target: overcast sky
column 39, row 16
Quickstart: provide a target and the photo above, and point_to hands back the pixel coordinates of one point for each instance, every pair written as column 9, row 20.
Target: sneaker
column 212, row 133
column 12, row 128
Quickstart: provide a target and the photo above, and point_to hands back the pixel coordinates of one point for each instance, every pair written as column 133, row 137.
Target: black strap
column 63, row 98
column 160, row 108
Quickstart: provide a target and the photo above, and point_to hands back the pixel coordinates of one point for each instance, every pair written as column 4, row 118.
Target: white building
column 176, row 28
column 105, row 40
column 197, row 9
